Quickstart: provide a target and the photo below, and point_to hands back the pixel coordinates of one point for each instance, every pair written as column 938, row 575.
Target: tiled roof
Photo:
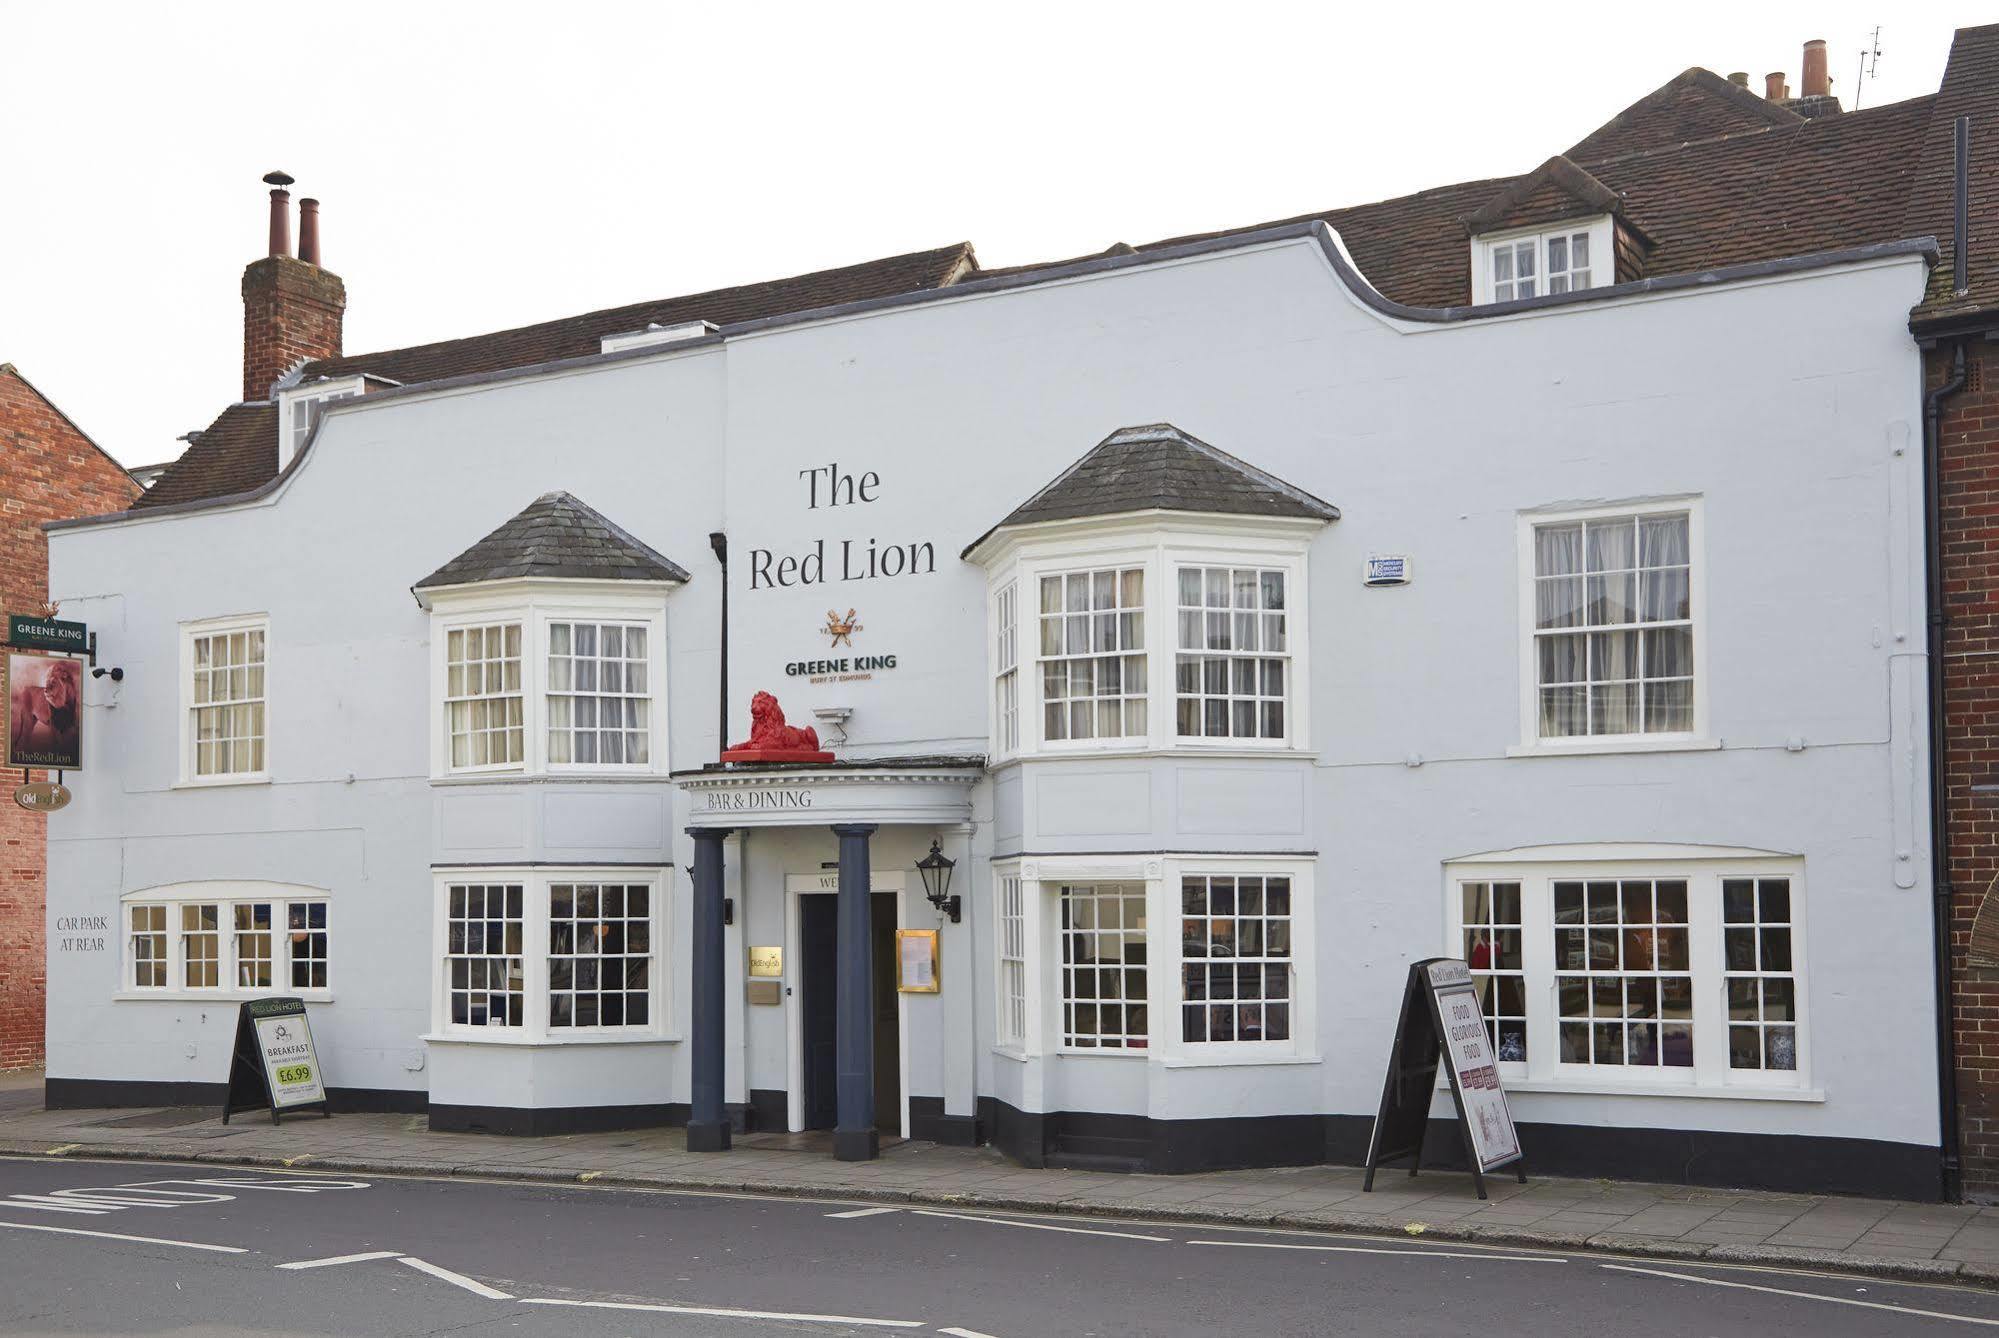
column 1694, row 104
column 556, row 537
column 1970, row 88
column 579, row 336
column 233, row 454
column 236, row 453
column 1158, row 467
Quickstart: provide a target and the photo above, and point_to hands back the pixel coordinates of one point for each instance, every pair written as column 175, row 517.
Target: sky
column 483, row 166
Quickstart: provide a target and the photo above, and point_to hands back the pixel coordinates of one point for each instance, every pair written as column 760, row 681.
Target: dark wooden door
column 818, row 984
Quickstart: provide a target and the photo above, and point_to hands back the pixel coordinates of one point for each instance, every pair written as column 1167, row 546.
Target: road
column 144, row 1248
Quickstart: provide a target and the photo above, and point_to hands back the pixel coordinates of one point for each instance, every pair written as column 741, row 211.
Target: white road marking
column 866, row 1212
column 112, row 1235
column 1040, row 1226
column 728, row 1314
column 343, row 1259
column 43, row 1203
column 457, row 1279
column 1806, row 1296
column 965, row 1333
column 1370, row 1249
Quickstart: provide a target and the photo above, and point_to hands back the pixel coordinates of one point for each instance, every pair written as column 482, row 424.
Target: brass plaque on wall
column 765, row 991
column 766, row 961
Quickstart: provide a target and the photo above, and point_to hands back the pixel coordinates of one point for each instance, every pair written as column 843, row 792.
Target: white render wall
column 1788, row 405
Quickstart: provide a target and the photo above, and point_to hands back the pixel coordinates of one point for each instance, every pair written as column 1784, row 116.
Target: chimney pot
column 1740, row 78
column 308, row 231
column 281, row 221
column 1773, row 86
column 1816, row 82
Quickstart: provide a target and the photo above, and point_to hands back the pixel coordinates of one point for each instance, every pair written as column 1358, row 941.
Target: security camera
column 117, row 675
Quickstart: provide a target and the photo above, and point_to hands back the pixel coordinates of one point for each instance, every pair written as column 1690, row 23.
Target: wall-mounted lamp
column 936, row 871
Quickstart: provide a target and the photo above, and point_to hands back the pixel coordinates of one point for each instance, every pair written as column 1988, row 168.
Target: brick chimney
column 292, row 309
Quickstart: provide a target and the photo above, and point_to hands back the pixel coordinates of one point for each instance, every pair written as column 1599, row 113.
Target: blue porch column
column 707, row 1124
column 854, row 1137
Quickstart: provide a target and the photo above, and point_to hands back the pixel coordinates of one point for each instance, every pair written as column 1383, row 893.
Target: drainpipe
column 1940, row 907
column 1950, row 1162
column 719, row 543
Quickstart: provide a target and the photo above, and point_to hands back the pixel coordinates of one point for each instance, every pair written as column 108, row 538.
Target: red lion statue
column 771, row 740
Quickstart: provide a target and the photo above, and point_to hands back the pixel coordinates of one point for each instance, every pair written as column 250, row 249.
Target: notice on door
column 1468, row 1051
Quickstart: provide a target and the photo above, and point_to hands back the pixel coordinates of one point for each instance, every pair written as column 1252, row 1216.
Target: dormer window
column 298, row 410
column 1536, row 264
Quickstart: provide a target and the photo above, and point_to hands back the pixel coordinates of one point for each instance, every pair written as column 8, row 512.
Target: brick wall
column 48, row 471
column 292, row 311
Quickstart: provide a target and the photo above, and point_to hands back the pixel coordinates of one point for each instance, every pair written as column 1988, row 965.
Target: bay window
column 535, row 681
column 226, row 938
column 1663, row 973
column 539, row 956
column 1221, row 675
column 1229, row 980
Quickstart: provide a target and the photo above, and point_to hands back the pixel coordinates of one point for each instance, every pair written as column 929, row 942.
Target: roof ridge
column 1844, row 118
column 1261, row 475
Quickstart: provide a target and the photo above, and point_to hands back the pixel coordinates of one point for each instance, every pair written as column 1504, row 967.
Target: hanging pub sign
column 1441, row 1015
column 43, row 704
column 273, row 1066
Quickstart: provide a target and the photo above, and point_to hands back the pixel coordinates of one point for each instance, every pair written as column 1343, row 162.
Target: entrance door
column 818, row 944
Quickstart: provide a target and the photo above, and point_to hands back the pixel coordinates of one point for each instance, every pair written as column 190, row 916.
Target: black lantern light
column 936, row 871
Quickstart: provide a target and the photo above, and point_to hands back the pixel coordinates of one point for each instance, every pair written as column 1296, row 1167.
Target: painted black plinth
column 856, row 1144
column 708, row 1136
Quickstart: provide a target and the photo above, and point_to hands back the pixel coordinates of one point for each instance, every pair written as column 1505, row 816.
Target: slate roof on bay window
column 1158, row 467
column 556, row 538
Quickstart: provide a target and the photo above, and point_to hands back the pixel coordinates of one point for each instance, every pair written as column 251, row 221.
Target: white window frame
column 1041, row 881
column 1703, row 868
column 1148, row 629
column 1013, row 978
column 1603, row 259
column 446, row 629
column 1531, row 742
column 1160, row 544
column 535, row 884
column 225, row 896
column 1004, row 670
column 298, row 412
column 536, row 605
column 190, row 632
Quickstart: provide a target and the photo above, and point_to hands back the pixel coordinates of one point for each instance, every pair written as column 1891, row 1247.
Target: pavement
column 1879, row 1238
column 93, row 1247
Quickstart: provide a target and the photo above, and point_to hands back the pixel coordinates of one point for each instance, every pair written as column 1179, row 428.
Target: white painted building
column 1240, row 635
